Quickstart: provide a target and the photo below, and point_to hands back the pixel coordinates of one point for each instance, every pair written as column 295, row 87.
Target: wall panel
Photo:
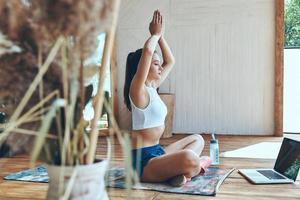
column 224, row 74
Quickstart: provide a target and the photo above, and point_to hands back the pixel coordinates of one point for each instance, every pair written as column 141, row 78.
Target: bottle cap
column 213, row 138
column 212, row 141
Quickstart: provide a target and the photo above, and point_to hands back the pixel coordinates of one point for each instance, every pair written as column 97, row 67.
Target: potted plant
column 64, row 33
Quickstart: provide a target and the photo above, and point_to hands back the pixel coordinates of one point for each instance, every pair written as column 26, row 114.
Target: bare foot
column 178, row 181
column 205, row 162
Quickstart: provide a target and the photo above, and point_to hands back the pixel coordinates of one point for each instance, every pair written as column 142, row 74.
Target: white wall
column 224, row 49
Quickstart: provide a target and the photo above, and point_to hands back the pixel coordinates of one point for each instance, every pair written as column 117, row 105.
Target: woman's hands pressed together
column 156, row 25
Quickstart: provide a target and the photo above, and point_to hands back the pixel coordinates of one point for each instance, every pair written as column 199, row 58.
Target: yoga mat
column 37, row 174
column 264, row 150
column 206, row 184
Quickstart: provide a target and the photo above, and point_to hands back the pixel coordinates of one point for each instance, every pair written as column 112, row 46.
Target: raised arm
column 137, row 88
column 140, row 77
column 168, row 59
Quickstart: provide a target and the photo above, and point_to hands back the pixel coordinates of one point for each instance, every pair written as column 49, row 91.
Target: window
column 291, row 115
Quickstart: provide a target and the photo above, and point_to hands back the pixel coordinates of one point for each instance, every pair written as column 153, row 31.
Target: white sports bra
column 152, row 116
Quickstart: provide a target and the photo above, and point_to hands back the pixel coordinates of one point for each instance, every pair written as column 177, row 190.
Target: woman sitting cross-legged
column 180, row 161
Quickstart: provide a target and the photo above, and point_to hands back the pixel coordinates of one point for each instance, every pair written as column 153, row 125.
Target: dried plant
column 81, row 19
column 74, row 25
column 33, row 26
column 55, row 37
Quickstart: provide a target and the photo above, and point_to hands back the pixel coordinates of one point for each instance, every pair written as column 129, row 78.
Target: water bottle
column 214, row 150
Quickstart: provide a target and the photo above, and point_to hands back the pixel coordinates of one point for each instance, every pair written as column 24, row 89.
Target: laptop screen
column 288, row 160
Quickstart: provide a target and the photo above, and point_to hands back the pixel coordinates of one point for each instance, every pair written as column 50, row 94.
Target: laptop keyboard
column 270, row 174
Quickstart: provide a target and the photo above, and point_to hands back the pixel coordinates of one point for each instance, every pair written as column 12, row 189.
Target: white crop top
column 152, row 116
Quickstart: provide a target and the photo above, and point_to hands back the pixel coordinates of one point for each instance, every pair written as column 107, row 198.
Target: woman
column 180, row 161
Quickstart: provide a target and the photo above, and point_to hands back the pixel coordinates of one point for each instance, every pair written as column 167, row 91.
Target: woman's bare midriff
column 146, row 137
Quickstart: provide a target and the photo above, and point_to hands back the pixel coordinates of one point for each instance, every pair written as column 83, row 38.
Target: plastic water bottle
column 214, row 150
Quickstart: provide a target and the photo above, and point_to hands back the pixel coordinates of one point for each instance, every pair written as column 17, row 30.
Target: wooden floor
column 234, row 187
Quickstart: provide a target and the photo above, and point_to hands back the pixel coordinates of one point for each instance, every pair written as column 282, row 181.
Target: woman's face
column 155, row 68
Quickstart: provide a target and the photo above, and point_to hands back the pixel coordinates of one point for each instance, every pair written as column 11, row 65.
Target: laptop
column 286, row 166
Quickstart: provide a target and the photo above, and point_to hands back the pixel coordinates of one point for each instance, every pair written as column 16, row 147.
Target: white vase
column 88, row 185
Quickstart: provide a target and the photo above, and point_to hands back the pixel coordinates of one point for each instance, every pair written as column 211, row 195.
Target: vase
column 88, row 182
